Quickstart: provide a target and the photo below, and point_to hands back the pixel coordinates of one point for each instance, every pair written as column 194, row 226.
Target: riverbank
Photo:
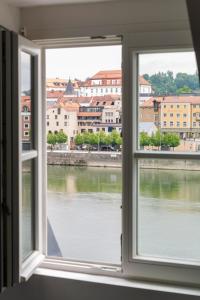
column 114, row 160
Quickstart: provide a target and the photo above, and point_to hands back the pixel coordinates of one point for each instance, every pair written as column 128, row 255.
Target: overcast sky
column 84, row 62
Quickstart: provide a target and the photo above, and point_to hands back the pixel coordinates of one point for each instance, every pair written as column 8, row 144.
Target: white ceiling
column 26, row 3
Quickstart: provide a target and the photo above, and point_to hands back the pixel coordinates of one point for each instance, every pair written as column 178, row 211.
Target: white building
column 63, row 118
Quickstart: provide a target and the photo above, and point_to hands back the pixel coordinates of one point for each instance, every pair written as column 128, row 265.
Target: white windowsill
column 115, row 281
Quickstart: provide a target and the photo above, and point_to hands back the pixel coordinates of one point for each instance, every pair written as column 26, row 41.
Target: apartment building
column 181, row 114
column 109, row 82
column 149, row 111
column 89, row 117
column 63, row 118
column 26, row 122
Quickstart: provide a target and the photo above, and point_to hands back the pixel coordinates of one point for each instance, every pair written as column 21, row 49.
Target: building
column 63, row 118
column 181, row 114
column 89, row 117
column 109, row 82
column 149, row 111
column 26, row 122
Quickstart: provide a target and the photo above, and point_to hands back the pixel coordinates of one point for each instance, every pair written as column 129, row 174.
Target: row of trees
column 159, row 140
column 56, row 138
column 168, row 84
column 99, row 138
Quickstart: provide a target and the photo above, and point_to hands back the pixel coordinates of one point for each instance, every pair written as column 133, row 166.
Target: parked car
column 107, row 148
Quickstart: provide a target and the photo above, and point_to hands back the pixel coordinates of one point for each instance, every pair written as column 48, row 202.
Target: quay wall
column 114, row 160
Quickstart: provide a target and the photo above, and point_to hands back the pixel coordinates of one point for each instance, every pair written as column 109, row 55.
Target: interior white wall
column 9, row 16
column 104, row 18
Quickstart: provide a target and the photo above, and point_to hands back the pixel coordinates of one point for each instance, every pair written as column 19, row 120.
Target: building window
column 178, row 124
column 184, row 115
column 178, row 115
column 184, row 124
column 26, row 133
column 47, row 123
column 164, row 115
column 56, row 117
column 178, row 106
column 26, row 125
column 26, row 118
column 171, row 115
column 171, row 106
column 47, row 117
column 171, row 124
column 65, row 123
column 57, row 123
column 194, row 124
column 194, row 114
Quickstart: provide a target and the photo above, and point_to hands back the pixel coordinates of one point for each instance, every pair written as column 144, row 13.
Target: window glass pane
column 84, row 124
column 169, row 209
column 168, row 102
column 26, row 101
column 27, row 211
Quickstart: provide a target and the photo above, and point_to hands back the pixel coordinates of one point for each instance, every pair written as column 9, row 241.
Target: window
column 56, row 117
column 194, row 114
column 171, row 115
column 164, row 115
column 26, row 125
column 65, row 123
column 143, row 254
column 47, row 123
column 153, row 244
column 194, row 124
column 26, row 118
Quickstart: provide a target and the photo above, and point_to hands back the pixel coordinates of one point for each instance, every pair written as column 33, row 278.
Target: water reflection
column 85, row 215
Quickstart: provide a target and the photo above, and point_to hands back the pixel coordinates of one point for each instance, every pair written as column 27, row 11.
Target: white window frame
column 134, row 266
column 144, row 269
column 28, row 265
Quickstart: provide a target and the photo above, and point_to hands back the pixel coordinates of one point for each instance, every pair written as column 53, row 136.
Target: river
column 84, row 212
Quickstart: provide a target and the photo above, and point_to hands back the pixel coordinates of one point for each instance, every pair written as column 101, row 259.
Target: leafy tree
column 79, row 139
column 61, row 137
column 171, row 140
column 183, row 90
column 157, row 139
column 116, row 138
column 145, row 139
column 93, row 138
column 51, row 139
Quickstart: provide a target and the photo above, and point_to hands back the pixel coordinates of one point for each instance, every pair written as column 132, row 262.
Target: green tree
column 79, row 139
column 145, row 139
column 116, row 138
column 171, row 140
column 93, row 138
column 157, row 139
column 61, row 137
column 183, row 90
column 51, row 139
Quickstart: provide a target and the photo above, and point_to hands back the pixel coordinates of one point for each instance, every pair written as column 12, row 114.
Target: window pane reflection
column 26, row 102
column 27, row 209
column 169, row 209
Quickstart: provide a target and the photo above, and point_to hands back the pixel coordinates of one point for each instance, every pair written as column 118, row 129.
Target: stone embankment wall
column 91, row 159
column 103, row 159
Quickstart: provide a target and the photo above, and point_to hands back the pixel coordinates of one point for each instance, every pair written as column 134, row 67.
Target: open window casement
column 21, row 247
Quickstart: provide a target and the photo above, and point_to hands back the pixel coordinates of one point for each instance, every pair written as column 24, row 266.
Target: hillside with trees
column 170, row 84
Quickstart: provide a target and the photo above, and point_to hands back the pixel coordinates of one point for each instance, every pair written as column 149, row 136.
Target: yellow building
column 181, row 114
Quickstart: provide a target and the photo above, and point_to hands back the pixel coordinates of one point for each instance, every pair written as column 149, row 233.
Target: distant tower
column 69, row 91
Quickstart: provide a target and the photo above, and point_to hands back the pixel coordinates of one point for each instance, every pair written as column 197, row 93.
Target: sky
column 84, row 62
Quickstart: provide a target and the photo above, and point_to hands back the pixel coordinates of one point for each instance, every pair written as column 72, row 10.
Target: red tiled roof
column 108, row 74
column 182, row 99
column 54, row 94
column 89, row 113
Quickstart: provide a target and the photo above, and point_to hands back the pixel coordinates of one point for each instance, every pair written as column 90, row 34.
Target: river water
column 84, row 213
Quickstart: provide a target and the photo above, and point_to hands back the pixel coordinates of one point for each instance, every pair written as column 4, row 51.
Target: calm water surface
column 85, row 215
